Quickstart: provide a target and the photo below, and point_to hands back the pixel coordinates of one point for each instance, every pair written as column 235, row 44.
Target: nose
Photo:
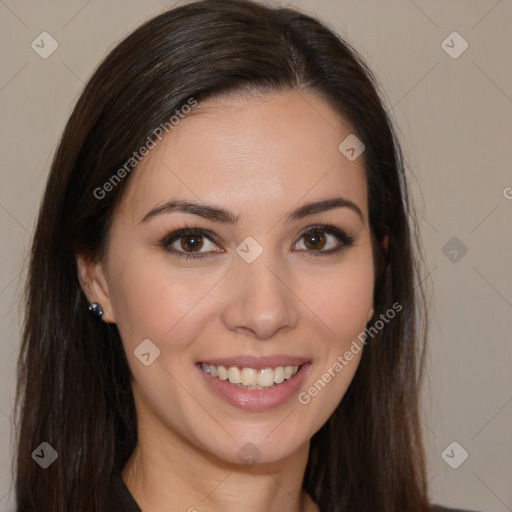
column 260, row 301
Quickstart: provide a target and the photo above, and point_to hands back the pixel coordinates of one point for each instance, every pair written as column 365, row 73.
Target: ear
column 385, row 243
column 382, row 253
column 94, row 284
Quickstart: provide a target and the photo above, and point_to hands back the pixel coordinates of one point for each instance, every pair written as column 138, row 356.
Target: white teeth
column 279, row 375
column 266, row 377
column 223, row 373
column 234, row 375
column 251, row 378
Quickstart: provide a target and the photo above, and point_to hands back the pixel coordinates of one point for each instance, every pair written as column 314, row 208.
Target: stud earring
column 96, row 309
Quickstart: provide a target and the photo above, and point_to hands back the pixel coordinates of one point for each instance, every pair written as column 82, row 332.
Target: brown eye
column 191, row 242
column 324, row 240
column 314, row 240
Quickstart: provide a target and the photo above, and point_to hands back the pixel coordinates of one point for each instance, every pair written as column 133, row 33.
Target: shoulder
column 439, row 508
column 120, row 499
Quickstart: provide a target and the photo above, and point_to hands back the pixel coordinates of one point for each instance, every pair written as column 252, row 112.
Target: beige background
column 454, row 117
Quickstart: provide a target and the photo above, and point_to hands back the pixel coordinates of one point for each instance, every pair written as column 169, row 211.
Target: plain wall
column 454, row 118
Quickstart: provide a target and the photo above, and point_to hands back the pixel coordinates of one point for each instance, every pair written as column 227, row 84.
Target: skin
column 259, row 157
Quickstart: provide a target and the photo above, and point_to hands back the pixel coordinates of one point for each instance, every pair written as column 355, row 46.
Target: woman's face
column 259, row 292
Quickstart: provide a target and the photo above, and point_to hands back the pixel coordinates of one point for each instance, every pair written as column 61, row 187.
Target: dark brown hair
column 73, row 378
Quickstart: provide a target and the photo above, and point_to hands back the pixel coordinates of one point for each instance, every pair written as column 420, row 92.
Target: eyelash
column 345, row 240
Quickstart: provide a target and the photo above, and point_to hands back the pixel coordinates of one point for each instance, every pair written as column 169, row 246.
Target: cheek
column 152, row 301
column 343, row 304
column 343, row 297
column 156, row 300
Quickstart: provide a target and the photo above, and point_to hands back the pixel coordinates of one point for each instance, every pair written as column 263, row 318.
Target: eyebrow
column 216, row 214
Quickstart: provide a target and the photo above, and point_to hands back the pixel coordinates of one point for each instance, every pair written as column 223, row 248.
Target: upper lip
column 257, row 363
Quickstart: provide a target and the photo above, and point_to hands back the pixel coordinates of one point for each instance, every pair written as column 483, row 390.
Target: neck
column 164, row 471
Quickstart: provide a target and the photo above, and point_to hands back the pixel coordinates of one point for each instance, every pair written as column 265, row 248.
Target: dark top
column 122, row 501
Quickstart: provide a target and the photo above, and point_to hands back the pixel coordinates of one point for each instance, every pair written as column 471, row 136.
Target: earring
column 96, row 309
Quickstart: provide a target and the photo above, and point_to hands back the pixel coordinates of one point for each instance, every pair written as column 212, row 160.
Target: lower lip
column 256, row 399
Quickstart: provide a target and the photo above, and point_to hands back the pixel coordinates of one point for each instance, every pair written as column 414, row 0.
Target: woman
column 221, row 307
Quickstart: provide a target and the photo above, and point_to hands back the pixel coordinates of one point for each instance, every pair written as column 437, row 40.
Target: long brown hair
column 73, row 378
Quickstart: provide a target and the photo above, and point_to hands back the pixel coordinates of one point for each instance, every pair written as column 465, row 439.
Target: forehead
column 255, row 153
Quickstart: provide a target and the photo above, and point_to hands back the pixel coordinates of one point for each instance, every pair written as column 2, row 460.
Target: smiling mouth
column 250, row 378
